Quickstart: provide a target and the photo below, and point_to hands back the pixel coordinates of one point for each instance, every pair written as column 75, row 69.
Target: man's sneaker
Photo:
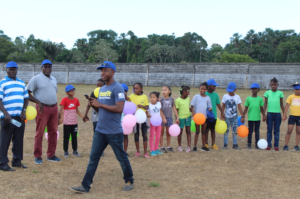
column 163, row 150
column 195, row 149
column 179, row 148
column 248, row 146
column 53, row 159
column 79, row 189
column 225, row 147
column 188, row 149
column 268, row 148
column 158, row 152
column 214, row 146
column 236, row 147
column 38, row 161
column 153, row 153
column 170, row 149
column 206, row 145
column 128, row 186
column 205, row 149
column 257, row 147
column 75, row 153
column 66, row 154
column 7, row 168
column 276, row 149
column 285, row 148
column 296, row 148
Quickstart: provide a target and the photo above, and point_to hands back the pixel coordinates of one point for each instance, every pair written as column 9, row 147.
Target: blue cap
column 46, row 61
column 255, row 85
column 125, row 87
column 296, row 85
column 212, row 82
column 11, row 64
column 107, row 64
column 231, row 87
column 69, row 87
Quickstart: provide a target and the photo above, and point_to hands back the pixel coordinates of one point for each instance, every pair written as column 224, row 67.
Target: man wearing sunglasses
column 110, row 104
column 42, row 90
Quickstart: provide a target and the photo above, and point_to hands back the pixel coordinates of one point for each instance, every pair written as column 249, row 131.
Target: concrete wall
column 192, row 74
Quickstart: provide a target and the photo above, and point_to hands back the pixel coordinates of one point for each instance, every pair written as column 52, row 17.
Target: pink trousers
column 154, row 130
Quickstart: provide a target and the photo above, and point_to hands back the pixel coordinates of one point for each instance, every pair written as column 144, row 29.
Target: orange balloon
column 242, row 131
column 199, row 118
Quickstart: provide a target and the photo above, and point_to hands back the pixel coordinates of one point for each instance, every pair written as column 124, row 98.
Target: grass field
column 217, row 174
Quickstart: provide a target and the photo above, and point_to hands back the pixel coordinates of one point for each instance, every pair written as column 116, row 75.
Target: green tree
column 104, row 52
column 233, row 58
column 6, row 47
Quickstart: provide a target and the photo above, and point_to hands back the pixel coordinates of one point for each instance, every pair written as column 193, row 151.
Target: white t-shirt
column 231, row 104
column 154, row 109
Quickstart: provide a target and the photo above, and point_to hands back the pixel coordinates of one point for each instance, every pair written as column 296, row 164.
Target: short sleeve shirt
column 139, row 100
column 154, row 109
column 166, row 106
column 70, row 106
column 215, row 100
column 201, row 104
column 273, row 100
column 294, row 102
column 254, row 104
column 12, row 93
column 44, row 88
column 183, row 106
column 110, row 122
column 231, row 104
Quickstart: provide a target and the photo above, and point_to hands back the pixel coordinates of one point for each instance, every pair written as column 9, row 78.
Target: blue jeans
column 253, row 125
column 100, row 142
column 233, row 123
column 273, row 119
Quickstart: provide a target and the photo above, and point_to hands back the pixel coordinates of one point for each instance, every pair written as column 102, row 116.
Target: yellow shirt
column 139, row 100
column 294, row 102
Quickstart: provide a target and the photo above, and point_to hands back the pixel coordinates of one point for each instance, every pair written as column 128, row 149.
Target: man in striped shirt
column 13, row 103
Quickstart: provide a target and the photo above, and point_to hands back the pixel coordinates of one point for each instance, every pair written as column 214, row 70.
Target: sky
column 215, row 20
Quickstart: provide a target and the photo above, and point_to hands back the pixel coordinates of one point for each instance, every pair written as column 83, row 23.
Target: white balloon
column 262, row 144
column 140, row 116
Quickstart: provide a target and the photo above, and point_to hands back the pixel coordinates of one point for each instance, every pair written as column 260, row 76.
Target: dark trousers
column 253, row 125
column 100, row 142
column 10, row 132
column 70, row 130
column 273, row 119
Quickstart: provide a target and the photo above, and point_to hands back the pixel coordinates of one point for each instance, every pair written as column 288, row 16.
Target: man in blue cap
column 109, row 129
column 13, row 104
column 42, row 90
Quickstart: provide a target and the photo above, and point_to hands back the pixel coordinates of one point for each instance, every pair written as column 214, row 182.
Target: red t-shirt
column 70, row 117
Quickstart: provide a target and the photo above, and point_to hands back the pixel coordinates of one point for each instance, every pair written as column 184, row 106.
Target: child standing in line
column 274, row 102
column 215, row 101
column 141, row 101
column 255, row 105
column 69, row 109
column 293, row 102
column 167, row 104
column 200, row 103
column 125, row 87
column 184, row 113
column 155, row 108
column 231, row 102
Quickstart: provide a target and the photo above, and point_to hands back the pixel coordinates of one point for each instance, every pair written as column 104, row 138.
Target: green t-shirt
column 215, row 100
column 183, row 106
column 273, row 100
column 254, row 104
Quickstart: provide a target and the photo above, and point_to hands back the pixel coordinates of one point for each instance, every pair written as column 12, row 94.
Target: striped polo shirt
column 12, row 93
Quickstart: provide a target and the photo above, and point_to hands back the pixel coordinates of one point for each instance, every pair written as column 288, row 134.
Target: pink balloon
column 126, row 131
column 46, row 135
column 174, row 130
column 129, row 121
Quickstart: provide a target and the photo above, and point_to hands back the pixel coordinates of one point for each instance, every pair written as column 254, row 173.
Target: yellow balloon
column 217, row 120
column 30, row 113
column 96, row 92
column 221, row 127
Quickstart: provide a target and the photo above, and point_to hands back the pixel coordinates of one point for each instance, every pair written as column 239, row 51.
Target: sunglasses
column 47, row 66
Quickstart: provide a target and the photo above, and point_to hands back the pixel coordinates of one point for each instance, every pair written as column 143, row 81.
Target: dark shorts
column 211, row 125
column 169, row 122
column 294, row 119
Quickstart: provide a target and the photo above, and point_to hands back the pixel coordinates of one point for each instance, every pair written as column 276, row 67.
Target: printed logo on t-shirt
column 121, row 95
column 295, row 102
column 167, row 103
column 155, row 110
column 231, row 108
column 105, row 95
column 71, row 105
